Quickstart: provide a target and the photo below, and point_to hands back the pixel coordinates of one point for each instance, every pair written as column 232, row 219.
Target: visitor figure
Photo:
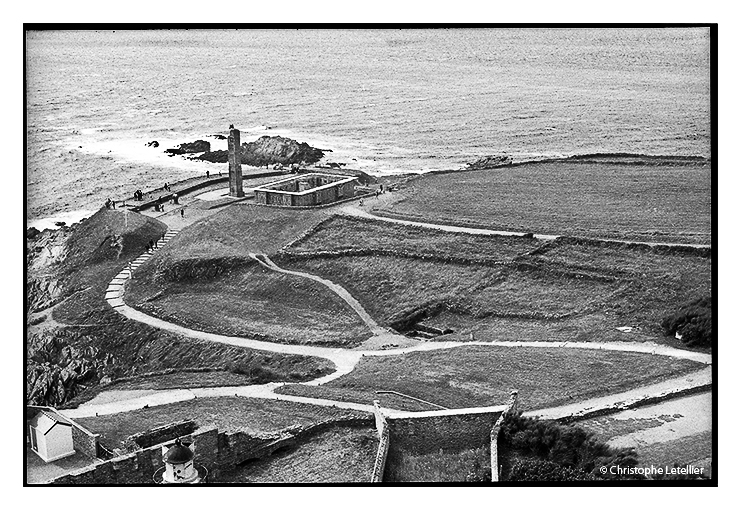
column 207, row 174
column 151, row 245
column 113, row 203
column 175, row 198
column 182, row 213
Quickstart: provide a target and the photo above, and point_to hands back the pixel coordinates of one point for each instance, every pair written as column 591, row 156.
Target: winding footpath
column 345, row 360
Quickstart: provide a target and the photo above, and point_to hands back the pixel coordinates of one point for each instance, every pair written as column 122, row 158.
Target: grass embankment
column 97, row 343
column 460, row 466
column 648, row 199
column 229, row 414
column 205, row 280
column 483, row 376
column 503, row 288
column 338, row 455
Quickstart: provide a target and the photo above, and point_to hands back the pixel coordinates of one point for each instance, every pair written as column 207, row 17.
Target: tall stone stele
column 235, row 163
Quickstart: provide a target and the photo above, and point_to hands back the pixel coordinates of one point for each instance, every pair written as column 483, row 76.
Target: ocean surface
column 386, row 101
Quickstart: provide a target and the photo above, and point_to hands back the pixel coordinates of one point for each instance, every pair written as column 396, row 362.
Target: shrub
column 537, row 470
column 693, row 321
column 565, row 446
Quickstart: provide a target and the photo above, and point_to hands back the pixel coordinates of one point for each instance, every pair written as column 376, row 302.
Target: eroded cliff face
column 65, row 267
column 270, row 150
column 45, row 252
column 57, row 371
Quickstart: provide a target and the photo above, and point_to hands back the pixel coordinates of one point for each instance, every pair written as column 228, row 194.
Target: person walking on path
column 207, row 174
column 182, row 213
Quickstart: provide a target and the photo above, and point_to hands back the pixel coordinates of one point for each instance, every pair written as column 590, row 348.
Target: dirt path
column 353, row 210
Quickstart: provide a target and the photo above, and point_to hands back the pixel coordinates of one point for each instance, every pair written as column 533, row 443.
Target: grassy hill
column 484, row 376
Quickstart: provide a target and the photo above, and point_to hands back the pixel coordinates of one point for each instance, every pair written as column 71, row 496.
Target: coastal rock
column 271, row 150
column 490, row 162
column 191, row 147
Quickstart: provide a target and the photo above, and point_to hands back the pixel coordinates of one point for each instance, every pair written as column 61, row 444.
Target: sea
column 383, row 101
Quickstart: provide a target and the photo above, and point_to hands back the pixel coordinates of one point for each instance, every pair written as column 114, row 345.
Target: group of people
column 110, row 204
column 138, row 195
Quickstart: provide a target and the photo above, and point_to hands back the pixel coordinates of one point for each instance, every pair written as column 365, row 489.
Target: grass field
column 338, row 455
column 620, row 198
column 345, row 232
column 227, row 413
column 483, row 376
column 511, row 288
column 253, row 302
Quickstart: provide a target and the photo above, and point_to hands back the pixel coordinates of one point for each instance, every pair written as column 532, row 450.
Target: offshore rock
column 271, row 150
column 490, row 162
column 191, row 147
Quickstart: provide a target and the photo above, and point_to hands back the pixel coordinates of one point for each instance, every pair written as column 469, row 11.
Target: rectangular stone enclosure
column 306, row 190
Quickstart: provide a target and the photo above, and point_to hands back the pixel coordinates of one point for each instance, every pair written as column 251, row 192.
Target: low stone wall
column 167, row 195
column 217, row 451
column 447, row 431
column 160, row 435
column 379, row 466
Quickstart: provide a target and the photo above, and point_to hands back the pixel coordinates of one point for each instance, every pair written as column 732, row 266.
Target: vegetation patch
column 253, row 302
column 474, row 376
column 665, row 200
column 253, row 415
column 515, row 289
column 693, row 323
column 473, row 465
column 339, row 233
column 338, row 455
column 533, row 449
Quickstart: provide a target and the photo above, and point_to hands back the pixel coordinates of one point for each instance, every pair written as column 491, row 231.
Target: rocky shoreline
column 266, row 150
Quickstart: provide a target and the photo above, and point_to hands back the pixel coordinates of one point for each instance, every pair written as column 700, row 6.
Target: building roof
column 178, row 453
column 46, row 420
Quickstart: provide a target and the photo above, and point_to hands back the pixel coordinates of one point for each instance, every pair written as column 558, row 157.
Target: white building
column 51, row 436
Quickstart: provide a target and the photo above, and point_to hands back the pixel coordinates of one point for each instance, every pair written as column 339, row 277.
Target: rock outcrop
column 57, row 371
column 190, row 148
column 270, row 150
column 490, row 162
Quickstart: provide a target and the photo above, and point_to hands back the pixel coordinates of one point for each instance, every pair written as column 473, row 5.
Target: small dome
column 178, row 454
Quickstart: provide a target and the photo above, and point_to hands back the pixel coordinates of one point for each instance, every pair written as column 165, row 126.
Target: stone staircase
column 114, row 292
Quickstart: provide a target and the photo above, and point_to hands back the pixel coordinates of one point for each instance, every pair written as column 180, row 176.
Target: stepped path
column 345, row 360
